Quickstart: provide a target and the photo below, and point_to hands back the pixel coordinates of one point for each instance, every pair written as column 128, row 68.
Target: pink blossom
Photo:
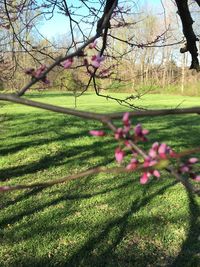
column 197, row 178
column 132, row 165
column 127, row 143
column 93, row 45
column 145, row 177
column 125, row 119
column 152, row 153
column 104, row 73
column 96, row 60
column 162, row 150
column 156, row 173
column 97, row 133
column 4, row 188
column 119, row 154
column 148, row 162
column 126, row 129
column 152, row 163
column 155, row 146
column 140, row 133
column 145, row 132
column 119, row 134
column 39, row 71
column 138, row 130
column 192, row 160
column 184, row 168
column 187, row 167
column 67, row 63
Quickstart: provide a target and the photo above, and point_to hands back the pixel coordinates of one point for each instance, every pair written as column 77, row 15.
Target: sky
column 57, row 26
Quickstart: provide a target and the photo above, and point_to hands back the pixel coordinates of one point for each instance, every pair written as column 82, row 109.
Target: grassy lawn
column 102, row 220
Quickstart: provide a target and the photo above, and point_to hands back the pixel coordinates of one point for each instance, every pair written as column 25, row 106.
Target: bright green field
column 102, row 220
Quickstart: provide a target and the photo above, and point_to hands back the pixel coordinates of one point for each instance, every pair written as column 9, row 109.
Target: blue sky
column 58, row 24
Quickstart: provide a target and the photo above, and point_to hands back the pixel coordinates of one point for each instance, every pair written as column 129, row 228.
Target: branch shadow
column 85, row 252
column 59, row 159
column 190, row 251
column 16, row 218
column 85, row 256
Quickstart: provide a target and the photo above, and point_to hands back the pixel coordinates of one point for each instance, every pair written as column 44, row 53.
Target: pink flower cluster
column 158, row 152
column 161, row 151
column 67, row 63
column 93, row 45
column 96, row 60
column 187, row 168
column 37, row 73
column 137, row 134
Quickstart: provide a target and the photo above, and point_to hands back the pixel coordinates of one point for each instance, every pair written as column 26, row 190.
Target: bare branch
column 65, row 179
column 98, row 116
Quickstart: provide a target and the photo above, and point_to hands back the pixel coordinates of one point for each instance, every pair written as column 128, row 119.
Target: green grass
column 102, row 220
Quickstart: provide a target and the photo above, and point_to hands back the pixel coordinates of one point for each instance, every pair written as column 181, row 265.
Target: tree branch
column 105, row 118
column 187, row 21
column 65, row 179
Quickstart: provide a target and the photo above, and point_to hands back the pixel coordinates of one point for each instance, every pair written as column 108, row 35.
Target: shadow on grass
column 172, row 128
column 85, row 255
column 189, row 256
column 90, row 255
column 68, row 153
column 27, row 144
column 61, row 158
column 27, row 212
column 21, row 197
